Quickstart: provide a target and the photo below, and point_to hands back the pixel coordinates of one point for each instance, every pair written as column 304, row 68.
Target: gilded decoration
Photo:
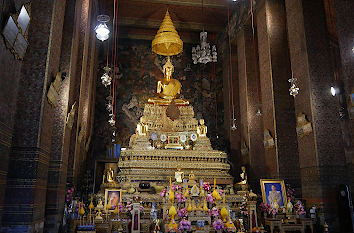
column 303, row 126
column 168, row 136
column 268, row 140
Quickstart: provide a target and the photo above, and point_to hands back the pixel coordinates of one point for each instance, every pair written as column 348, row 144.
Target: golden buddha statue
column 243, row 176
column 141, row 128
column 202, row 129
column 191, row 179
column 168, row 89
column 167, row 43
column 108, row 176
column 179, row 175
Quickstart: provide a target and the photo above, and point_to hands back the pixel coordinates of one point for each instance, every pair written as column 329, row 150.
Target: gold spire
column 167, row 41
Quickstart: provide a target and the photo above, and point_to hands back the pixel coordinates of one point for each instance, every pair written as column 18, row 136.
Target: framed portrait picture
column 273, row 190
column 112, row 196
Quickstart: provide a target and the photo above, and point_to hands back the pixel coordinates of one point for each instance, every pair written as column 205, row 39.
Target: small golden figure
column 289, row 207
column 141, row 128
column 157, row 225
column 108, row 177
column 202, row 129
column 243, row 176
column 191, row 179
column 179, row 175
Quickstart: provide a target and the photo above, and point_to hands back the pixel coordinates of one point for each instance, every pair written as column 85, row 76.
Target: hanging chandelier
column 109, row 105
column 106, row 78
column 202, row 53
column 111, row 120
column 293, row 90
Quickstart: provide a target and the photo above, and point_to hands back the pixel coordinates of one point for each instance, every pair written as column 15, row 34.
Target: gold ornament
column 171, row 196
column 205, row 207
column 116, row 210
column 82, row 210
column 167, row 41
column 223, row 211
column 215, row 193
column 189, row 207
column 172, row 212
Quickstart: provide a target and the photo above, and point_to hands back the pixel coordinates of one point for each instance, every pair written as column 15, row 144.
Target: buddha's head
column 201, row 121
column 168, row 69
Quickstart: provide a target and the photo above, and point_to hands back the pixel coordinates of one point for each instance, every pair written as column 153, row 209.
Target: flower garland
column 243, row 208
column 290, row 193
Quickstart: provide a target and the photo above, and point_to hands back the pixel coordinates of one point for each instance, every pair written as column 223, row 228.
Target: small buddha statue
column 99, row 215
column 141, row 128
column 179, row 175
column 108, row 177
column 289, row 207
column 202, row 129
column 191, row 179
column 168, row 89
column 243, row 176
column 156, row 225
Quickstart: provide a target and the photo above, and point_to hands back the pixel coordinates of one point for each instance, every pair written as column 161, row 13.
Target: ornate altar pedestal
column 156, row 163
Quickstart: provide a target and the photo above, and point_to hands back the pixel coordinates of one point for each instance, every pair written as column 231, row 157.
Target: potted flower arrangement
column 268, row 210
column 300, row 209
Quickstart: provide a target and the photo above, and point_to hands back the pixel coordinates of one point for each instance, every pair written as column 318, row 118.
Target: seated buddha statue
column 108, row 176
column 168, row 89
column 141, row 128
column 202, row 129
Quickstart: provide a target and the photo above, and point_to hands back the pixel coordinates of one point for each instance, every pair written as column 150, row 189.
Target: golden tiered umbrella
column 167, row 41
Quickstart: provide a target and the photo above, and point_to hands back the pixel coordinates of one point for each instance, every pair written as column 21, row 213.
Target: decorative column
column 84, row 99
column 58, row 164
column 29, row 158
column 232, row 136
column 280, row 140
column 321, row 154
column 77, row 68
column 136, row 218
column 344, row 19
column 10, row 73
column 251, row 126
column 252, row 210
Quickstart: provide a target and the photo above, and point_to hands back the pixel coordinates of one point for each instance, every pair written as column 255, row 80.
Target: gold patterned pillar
column 251, row 123
column 321, row 153
column 31, row 145
column 279, row 119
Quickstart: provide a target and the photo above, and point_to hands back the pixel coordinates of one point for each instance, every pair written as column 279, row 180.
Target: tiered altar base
column 158, row 166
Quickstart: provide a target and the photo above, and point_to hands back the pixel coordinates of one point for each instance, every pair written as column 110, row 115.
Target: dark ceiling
column 140, row 19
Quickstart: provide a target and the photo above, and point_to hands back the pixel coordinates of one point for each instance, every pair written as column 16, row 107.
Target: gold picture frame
column 279, row 188
column 114, row 200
